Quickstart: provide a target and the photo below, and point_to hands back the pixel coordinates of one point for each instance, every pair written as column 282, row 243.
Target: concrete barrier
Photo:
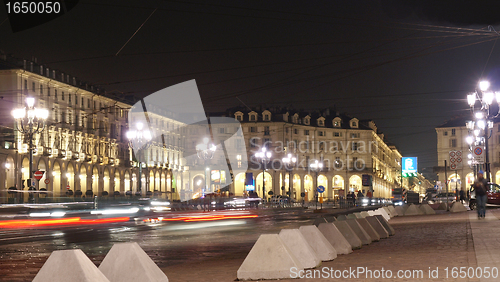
column 369, row 229
column 323, row 249
column 299, row 247
column 348, row 234
column 69, row 265
column 442, row 206
column 426, row 209
column 358, row 215
column 269, row 258
column 336, row 239
column 375, row 223
column 405, row 207
column 458, row 207
column 412, row 210
column 363, row 236
column 383, row 213
column 364, row 214
column 386, row 225
column 319, row 220
column 341, row 217
column 388, row 211
column 399, row 210
column 128, row 262
column 351, row 216
column 393, row 210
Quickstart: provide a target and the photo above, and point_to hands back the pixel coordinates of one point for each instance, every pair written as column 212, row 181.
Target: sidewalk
column 444, row 240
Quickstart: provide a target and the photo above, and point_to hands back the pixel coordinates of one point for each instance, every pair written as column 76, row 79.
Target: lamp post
column 263, row 156
column 30, row 121
column 480, row 128
column 138, row 139
column 316, row 166
column 289, row 163
column 205, row 152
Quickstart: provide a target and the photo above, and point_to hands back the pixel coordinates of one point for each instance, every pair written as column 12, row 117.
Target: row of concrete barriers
column 425, row 209
column 273, row 256
column 125, row 262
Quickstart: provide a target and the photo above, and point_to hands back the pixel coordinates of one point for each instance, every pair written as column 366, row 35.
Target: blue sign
column 409, row 164
column 321, row 189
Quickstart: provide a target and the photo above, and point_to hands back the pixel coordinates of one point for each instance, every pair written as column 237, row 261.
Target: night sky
column 407, row 65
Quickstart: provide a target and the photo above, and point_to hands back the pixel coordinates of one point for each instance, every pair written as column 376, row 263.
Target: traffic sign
column 455, row 160
column 46, row 181
column 67, row 187
column 321, row 189
column 479, row 155
column 38, row 175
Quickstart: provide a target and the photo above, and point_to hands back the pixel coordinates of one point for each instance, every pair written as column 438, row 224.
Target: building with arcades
column 83, row 148
column 347, row 147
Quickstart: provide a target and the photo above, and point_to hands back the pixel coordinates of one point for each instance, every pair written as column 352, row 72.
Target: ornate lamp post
column 480, row 128
column 263, row 156
column 205, row 152
column 138, row 140
column 316, row 166
column 289, row 163
column 30, row 121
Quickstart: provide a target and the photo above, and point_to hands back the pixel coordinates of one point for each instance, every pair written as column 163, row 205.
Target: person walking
column 480, row 187
column 462, row 195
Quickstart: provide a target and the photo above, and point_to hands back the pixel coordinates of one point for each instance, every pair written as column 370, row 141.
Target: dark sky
column 405, row 64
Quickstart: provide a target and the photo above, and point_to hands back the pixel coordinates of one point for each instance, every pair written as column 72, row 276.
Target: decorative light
column 488, row 97
column 484, row 85
column 471, row 99
column 481, row 124
column 479, row 115
column 469, row 139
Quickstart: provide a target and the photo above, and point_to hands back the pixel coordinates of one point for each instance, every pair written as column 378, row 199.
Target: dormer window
column 354, row 123
column 267, row 118
column 307, row 120
column 253, row 117
column 321, row 121
column 337, row 122
column 266, row 115
column 295, row 118
column 238, row 116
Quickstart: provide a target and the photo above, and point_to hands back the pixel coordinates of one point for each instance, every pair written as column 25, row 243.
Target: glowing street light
column 30, row 121
column 264, row 157
column 205, row 152
column 138, row 138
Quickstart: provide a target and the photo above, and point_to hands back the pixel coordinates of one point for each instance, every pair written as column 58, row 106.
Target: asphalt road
column 23, row 251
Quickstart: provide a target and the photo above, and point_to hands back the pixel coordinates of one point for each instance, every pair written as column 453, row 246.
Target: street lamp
column 263, row 156
column 138, row 139
column 30, row 121
column 316, row 166
column 289, row 163
column 205, row 152
column 480, row 128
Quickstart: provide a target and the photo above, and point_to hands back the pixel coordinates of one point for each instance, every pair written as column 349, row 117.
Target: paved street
column 200, row 252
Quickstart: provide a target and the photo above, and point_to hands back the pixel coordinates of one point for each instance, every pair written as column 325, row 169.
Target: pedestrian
column 480, row 187
column 353, row 198
column 369, row 194
column 462, row 196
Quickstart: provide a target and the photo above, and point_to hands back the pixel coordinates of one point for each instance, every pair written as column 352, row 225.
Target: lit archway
column 83, row 179
column 469, row 179
column 95, row 181
column 354, row 183
column 70, row 178
column 338, row 186
column 454, row 182
column 106, row 180
column 239, row 184
column 198, row 185
column 117, row 181
column 268, row 181
column 127, row 185
column 323, row 181
column 56, row 180
column 10, row 178
column 296, row 186
column 308, row 187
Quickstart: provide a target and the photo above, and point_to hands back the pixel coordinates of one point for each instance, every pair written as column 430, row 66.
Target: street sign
column 409, row 164
column 38, row 175
column 366, row 180
column 478, row 154
column 67, row 187
column 455, row 160
column 46, row 181
column 321, row 189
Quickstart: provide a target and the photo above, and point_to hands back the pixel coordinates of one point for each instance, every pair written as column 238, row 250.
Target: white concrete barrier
column 348, row 234
column 69, row 265
column 299, row 247
column 383, row 213
column 358, row 215
column 426, row 209
column 368, row 228
column 323, row 249
column 399, row 210
column 388, row 211
column 341, row 217
column 412, row 210
column 362, row 235
column 458, row 207
column 365, row 214
column 393, row 210
column 442, row 206
column 128, row 262
column 386, row 225
column 336, row 239
column 351, row 216
column 269, row 258
column 375, row 223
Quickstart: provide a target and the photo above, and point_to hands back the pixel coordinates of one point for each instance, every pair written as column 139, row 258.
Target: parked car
column 443, row 198
column 493, row 196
